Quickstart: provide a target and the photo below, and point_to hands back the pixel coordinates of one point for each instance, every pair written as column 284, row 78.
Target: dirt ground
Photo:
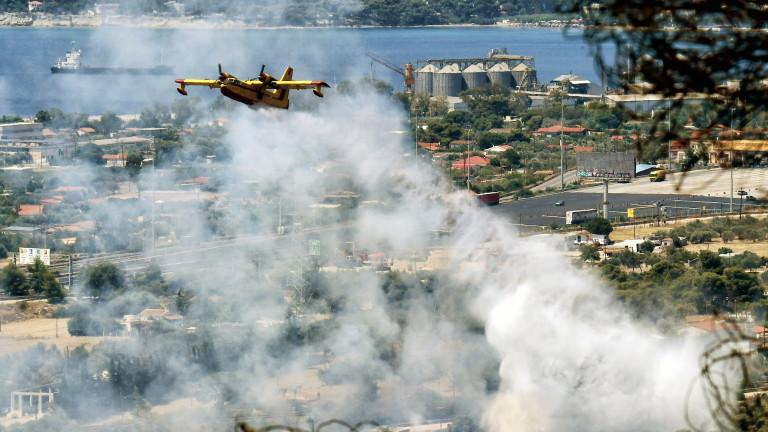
column 19, row 336
column 18, row 310
column 641, row 231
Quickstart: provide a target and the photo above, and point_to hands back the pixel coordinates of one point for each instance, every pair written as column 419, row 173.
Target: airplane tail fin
column 288, row 74
column 282, row 94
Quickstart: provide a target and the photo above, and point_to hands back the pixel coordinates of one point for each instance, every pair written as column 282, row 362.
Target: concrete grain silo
column 448, row 81
column 475, row 76
column 424, row 79
column 524, row 75
column 499, row 74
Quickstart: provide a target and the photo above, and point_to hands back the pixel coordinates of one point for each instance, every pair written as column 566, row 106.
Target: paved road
column 714, row 182
column 541, row 211
column 198, row 257
column 569, row 177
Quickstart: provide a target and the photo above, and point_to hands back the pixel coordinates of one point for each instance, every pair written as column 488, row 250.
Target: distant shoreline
column 27, row 20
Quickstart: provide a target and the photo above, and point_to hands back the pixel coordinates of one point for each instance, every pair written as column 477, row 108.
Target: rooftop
column 472, row 161
column 565, row 129
column 30, row 210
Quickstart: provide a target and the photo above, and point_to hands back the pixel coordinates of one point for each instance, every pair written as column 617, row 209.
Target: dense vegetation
column 307, row 12
column 681, row 282
column 420, row 12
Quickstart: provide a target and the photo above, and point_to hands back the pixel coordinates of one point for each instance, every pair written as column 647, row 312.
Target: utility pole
column 562, row 148
column 730, row 157
column 466, row 159
column 69, row 274
column 416, row 134
column 669, row 140
column 154, row 186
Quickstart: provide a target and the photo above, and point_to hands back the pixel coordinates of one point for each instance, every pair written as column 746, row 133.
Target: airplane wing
column 200, row 82
column 317, row 86
column 183, row 83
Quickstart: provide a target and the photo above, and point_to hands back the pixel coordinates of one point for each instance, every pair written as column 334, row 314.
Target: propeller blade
column 262, row 69
column 220, row 72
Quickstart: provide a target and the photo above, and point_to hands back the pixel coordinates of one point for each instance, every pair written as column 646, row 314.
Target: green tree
column 109, row 123
column 627, row 258
column 43, row 117
column 80, row 322
column 43, row 281
column 511, row 158
column 589, row 252
column 646, row 247
column 710, row 262
column 747, row 260
column 104, row 280
column 152, row 280
column 713, row 293
column 599, row 226
column 13, row 281
column 743, row 287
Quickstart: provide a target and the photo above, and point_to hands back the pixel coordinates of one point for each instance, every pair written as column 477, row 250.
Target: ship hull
column 93, row 70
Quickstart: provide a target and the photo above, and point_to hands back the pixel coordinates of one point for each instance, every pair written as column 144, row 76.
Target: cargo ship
column 71, row 63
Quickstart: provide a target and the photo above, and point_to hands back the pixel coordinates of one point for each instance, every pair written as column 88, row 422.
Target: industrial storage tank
column 424, row 79
column 448, row 81
column 524, row 75
column 475, row 76
column 499, row 74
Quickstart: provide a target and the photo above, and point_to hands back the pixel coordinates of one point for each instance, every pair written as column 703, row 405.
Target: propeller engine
column 223, row 75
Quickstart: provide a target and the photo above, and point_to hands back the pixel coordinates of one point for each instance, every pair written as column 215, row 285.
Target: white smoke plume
column 567, row 356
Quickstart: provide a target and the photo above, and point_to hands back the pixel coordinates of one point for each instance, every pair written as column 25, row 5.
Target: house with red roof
column 430, row 146
column 471, row 162
column 555, row 130
column 53, row 200
column 26, row 210
column 116, row 160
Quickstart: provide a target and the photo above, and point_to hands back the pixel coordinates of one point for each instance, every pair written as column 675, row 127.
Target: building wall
column 21, row 131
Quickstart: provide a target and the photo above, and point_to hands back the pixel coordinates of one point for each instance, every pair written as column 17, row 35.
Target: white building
column 35, row 6
column 21, row 131
column 106, row 9
column 175, row 8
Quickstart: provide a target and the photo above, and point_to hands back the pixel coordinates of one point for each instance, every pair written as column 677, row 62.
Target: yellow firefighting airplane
column 264, row 89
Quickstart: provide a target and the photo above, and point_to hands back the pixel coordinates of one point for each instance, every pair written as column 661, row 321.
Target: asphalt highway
column 542, row 211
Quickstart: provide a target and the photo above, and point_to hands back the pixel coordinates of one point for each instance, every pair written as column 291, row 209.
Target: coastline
column 38, row 20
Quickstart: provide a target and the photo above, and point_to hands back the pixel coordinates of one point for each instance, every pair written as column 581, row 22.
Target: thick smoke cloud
column 497, row 305
column 569, row 357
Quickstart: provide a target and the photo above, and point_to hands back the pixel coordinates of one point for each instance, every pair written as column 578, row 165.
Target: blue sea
column 27, row 85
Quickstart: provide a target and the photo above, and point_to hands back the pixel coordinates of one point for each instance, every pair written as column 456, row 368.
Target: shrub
column 701, row 236
column 599, row 226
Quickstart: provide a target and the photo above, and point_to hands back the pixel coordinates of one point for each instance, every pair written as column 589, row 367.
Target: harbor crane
column 406, row 72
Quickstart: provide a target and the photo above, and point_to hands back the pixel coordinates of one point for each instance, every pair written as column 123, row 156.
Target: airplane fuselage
column 250, row 94
column 265, row 89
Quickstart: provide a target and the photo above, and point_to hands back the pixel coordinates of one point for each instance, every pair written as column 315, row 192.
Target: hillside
column 308, row 12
